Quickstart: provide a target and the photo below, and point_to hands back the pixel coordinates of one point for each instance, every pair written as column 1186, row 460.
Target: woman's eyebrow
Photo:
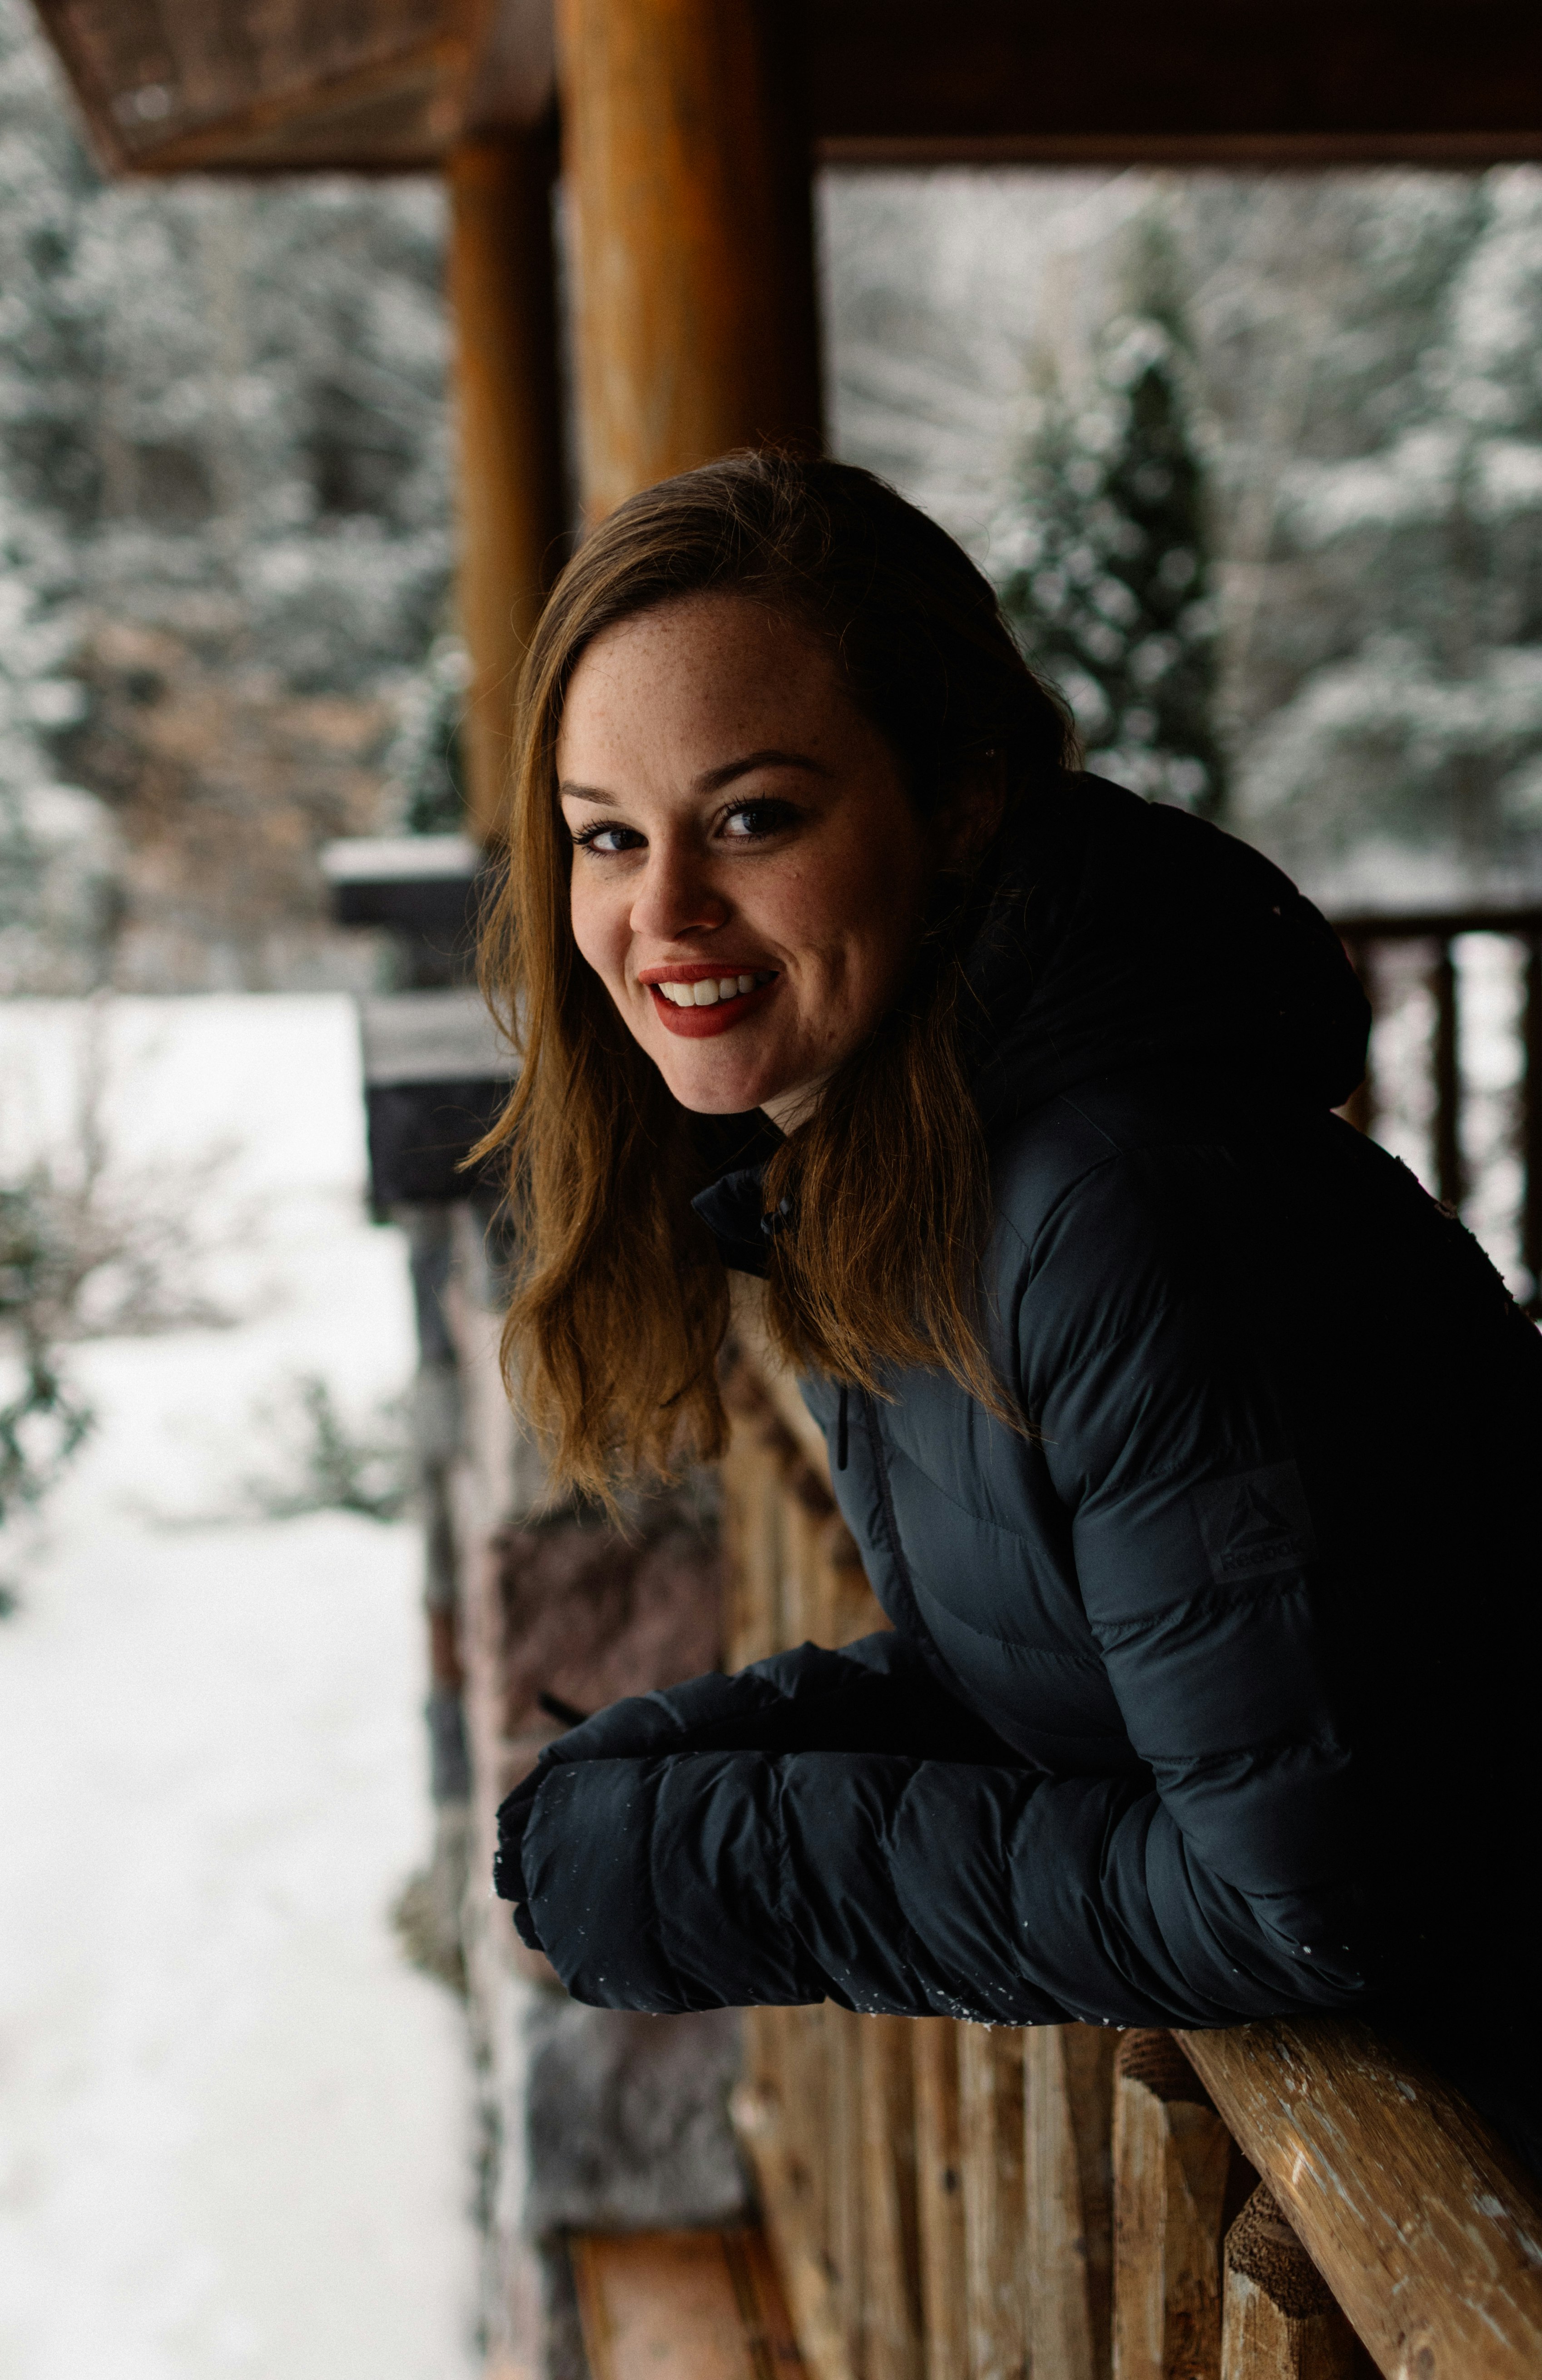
column 712, row 780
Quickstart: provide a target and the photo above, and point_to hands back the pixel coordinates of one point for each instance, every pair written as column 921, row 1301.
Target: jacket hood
column 1112, row 933
column 1118, row 933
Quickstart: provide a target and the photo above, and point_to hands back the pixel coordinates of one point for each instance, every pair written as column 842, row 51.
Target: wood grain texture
column 793, row 1571
column 841, row 2141
column 1172, row 2159
column 683, row 2305
column 1278, row 2319
column 1068, row 2077
column 504, row 310
column 939, row 2197
column 245, row 85
column 1424, row 2230
column 686, row 176
column 166, row 87
column 990, row 2129
column 894, row 2346
column 780, row 2113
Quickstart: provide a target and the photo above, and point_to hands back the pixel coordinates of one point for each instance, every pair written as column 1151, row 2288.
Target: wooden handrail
column 1425, row 2232
column 943, row 2198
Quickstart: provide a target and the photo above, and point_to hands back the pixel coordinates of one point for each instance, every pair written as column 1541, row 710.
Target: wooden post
column 939, row 2197
column 1069, row 2090
column 1172, row 2159
column 1280, row 2321
column 840, row 2119
column 991, row 2138
column 502, row 299
column 686, row 181
column 892, row 2334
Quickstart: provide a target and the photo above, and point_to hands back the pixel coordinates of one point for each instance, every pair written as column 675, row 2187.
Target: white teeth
column 707, row 993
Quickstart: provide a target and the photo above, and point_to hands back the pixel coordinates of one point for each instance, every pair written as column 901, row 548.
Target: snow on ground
column 236, row 2131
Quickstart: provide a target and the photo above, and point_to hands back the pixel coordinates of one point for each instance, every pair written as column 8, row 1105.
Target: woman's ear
column 973, row 811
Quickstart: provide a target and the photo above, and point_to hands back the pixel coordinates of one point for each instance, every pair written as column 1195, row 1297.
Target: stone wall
column 593, row 2120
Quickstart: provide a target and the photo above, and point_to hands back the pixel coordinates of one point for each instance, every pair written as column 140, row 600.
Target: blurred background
column 1256, row 460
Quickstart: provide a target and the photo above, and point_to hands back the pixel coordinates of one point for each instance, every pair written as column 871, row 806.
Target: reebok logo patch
column 1254, row 1524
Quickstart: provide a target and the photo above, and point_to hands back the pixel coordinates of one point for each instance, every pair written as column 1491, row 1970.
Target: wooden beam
column 1422, row 2225
column 1172, row 2163
column 234, row 87
column 686, row 182
column 243, row 86
column 511, row 501
column 1204, row 81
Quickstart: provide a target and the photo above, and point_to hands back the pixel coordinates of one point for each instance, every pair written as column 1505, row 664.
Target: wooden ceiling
column 253, row 86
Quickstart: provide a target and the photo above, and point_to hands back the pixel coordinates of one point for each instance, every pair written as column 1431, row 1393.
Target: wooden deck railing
column 1432, row 934
column 959, row 2201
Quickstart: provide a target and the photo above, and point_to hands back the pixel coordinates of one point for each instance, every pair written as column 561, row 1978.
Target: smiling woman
column 769, row 720
column 780, row 891
column 1184, row 1440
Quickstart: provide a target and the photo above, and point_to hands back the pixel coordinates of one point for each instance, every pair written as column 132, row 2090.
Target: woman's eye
column 608, row 839
column 750, row 821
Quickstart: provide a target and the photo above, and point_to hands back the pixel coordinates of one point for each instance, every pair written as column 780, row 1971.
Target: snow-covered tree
column 224, row 538
column 1376, row 382
column 1106, row 546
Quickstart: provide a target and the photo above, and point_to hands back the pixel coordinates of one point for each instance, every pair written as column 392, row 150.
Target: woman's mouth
column 695, row 1004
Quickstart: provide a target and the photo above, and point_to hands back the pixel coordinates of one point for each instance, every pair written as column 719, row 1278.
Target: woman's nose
column 676, row 896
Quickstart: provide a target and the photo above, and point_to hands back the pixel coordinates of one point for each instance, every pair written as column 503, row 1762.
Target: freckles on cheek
column 584, row 922
column 601, row 937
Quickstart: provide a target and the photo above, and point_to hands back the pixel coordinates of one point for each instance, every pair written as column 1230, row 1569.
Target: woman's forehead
column 701, row 668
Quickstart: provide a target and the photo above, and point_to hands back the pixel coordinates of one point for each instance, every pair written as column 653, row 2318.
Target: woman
column 1185, row 1439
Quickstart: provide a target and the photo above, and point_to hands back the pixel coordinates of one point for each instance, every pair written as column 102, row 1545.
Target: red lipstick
column 701, row 1024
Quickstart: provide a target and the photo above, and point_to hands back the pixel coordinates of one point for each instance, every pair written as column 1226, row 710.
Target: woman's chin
column 705, row 1078
column 713, row 1097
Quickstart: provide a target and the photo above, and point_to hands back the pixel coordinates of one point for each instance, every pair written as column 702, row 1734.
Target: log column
column 503, row 299
column 686, row 181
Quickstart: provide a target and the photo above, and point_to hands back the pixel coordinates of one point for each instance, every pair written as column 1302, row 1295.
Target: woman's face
column 749, row 876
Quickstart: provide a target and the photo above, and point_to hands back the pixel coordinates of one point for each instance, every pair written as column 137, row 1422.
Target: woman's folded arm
column 922, row 1888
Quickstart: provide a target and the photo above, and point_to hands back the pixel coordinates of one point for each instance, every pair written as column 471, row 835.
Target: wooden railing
column 1370, row 941
column 958, row 2202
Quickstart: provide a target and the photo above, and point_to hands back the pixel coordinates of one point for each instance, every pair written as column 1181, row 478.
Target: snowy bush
column 329, row 1464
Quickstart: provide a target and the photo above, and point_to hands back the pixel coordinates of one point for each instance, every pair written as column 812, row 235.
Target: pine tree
column 1404, row 747
column 1110, row 585
column 426, row 765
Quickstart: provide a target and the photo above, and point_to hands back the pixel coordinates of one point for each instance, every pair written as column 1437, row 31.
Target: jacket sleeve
column 876, row 1696
column 1222, row 1882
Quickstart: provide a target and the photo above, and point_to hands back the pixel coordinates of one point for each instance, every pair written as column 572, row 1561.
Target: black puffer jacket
column 1213, row 1697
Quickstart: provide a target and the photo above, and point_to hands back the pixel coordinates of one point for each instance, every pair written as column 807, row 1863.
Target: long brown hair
column 621, row 1305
